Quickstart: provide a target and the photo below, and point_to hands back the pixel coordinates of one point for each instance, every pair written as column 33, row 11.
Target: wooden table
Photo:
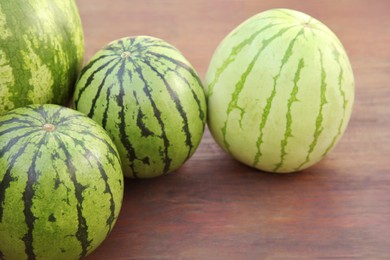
column 216, row 208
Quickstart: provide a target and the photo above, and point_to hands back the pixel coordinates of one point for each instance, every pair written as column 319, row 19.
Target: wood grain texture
column 216, row 208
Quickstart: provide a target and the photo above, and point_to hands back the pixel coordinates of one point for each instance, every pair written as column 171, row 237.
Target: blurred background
column 196, row 27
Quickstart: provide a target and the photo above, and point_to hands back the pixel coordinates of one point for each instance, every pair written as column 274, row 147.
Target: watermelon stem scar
column 125, row 54
column 49, row 127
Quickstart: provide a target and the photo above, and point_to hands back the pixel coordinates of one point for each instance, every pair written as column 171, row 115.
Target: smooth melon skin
column 280, row 91
column 61, row 184
column 41, row 52
column 149, row 99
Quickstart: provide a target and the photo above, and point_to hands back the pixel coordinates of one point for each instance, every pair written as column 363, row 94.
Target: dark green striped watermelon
column 149, row 99
column 280, row 90
column 41, row 52
column 61, row 184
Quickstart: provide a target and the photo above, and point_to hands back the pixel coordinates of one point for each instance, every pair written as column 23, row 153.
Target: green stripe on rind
column 82, row 229
column 28, row 196
column 318, row 123
column 202, row 114
column 270, row 99
column 123, row 135
column 27, row 123
column 175, row 98
column 288, row 131
column 91, row 77
column 109, row 70
column 157, row 113
column 231, row 58
column 345, row 104
column 31, row 140
column 7, row 177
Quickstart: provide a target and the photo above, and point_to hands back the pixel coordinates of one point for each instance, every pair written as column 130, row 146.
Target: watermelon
column 280, row 91
column 149, row 99
column 61, row 184
column 41, row 52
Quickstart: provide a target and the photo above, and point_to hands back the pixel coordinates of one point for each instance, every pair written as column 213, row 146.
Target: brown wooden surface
column 216, row 208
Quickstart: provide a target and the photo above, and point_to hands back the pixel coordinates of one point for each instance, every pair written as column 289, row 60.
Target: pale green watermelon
column 280, row 91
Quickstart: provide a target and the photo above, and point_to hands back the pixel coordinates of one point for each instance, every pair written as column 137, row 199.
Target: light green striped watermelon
column 41, row 52
column 149, row 99
column 61, row 184
column 280, row 91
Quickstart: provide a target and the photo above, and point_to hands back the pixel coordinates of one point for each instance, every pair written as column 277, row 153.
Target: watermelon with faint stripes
column 61, row 184
column 280, row 91
column 150, row 100
column 41, row 52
